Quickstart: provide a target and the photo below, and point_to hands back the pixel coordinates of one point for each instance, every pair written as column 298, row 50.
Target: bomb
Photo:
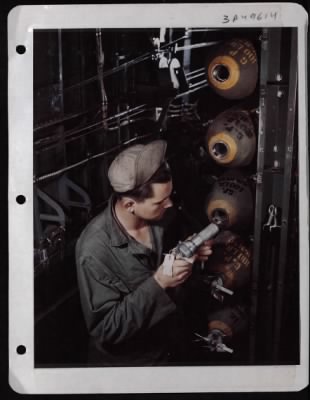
column 231, row 261
column 230, row 202
column 224, row 325
column 231, row 139
column 230, row 321
column 232, row 69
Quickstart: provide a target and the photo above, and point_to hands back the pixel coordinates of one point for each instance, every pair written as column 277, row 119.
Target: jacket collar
column 118, row 237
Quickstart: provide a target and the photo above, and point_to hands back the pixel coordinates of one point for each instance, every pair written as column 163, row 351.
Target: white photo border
column 23, row 376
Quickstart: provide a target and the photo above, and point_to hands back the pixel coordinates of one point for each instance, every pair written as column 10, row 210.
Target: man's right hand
column 181, row 271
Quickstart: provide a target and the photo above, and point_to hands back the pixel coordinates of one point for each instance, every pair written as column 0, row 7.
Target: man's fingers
column 181, row 271
column 184, row 276
column 184, row 262
column 177, row 271
column 205, row 252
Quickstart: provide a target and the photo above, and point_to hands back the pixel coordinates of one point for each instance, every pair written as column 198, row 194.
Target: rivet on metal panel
column 264, row 44
column 276, row 164
column 275, row 148
column 280, row 94
column 259, row 178
column 279, row 77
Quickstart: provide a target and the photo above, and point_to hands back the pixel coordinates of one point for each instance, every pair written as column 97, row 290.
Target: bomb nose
column 220, row 73
column 220, row 217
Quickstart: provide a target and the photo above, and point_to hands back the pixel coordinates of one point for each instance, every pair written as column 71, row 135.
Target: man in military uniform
column 130, row 305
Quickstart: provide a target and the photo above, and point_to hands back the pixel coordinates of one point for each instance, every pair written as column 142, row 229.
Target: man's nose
column 169, row 203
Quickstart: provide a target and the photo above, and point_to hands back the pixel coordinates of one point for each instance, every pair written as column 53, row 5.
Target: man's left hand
column 204, row 251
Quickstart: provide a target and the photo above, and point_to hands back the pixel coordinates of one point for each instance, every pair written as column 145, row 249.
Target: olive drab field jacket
column 130, row 318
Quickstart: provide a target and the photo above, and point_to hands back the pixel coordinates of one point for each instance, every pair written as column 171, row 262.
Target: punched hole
column 21, row 349
column 20, row 199
column 220, row 73
column 220, row 150
column 20, row 49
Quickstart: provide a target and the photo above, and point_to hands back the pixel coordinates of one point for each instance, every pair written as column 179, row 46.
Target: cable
column 122, row 66
column 86, row 160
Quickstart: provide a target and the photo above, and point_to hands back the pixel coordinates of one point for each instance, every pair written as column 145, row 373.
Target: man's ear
column 128, row 203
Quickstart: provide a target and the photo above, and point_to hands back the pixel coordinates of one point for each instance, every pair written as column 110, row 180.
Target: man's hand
column 181, row 271
column 204, row 251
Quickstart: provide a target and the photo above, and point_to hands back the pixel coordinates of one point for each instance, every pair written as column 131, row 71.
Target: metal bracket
column 59, row 216
column 64, row 184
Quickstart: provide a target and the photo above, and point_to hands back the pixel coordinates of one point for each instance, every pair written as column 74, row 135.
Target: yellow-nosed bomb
column 231, row 139
column 231, row 260
column 232, row 69
column 230, row 202
column 230, row 321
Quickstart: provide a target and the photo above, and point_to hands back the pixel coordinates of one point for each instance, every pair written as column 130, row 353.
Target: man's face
column 153, row 208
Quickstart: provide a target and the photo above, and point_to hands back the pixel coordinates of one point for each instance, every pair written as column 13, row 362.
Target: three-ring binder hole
column 20, row 49
column 21, row 349
column 20, row 199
